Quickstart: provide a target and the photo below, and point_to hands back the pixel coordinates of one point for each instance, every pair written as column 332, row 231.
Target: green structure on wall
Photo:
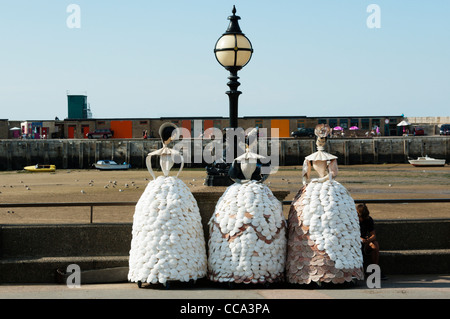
column 78, row 108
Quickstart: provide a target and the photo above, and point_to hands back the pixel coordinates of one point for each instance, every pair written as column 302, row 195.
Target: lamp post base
column 218, row 180
column 217, row 175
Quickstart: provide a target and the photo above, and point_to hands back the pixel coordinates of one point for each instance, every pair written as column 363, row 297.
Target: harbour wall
column 82, row 153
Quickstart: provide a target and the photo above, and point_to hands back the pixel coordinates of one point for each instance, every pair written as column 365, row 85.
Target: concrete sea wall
column 32, row 253
column 82, row 153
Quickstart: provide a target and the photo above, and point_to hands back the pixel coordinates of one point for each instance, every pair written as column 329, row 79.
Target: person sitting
column 369, row 241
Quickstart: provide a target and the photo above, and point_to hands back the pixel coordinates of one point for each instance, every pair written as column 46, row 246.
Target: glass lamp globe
column 233, row 49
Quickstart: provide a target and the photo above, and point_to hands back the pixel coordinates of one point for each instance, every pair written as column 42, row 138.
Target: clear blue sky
column 145, row 58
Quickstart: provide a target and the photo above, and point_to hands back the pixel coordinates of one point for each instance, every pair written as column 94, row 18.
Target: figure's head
column 363, row 211
column 322, row 131
column 165, row 132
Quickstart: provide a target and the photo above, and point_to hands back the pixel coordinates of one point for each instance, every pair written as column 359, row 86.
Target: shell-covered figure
column 168, row 242
column 323, row 232
column 247, row 232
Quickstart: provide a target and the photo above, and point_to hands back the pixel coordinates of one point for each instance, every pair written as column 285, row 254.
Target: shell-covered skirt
column 323, row 236
column 167, row 242
column 247, row 242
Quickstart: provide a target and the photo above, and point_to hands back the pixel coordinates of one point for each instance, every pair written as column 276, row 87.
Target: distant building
column 127, row 128
column 285, row 125
column 430, row 124
column 41, row 129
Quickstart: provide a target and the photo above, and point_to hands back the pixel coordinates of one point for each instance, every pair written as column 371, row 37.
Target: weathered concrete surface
column 31, row 254
column 412, row 287
column 27, row 241
column 73, row 153
column 44, row 269
column 405, row 234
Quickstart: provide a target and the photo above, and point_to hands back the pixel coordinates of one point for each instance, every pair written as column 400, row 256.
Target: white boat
column 427, row 161
column 110, row 165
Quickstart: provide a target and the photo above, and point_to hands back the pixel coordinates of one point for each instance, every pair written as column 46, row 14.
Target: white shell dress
column 247, row 232
column 168, row 242
column 323, row 227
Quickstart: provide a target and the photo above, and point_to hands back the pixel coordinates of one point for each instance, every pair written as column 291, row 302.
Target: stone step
column 416, row 261
column 43, row 269
column 32, row 253
column 64, row 240
column 405, row 234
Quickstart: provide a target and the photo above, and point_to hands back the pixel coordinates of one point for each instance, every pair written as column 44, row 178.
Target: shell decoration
column 247, row 242
column 167, row 242
column 323, row 235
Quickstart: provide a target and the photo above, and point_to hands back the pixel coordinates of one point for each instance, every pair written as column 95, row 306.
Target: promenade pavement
column 395, row 287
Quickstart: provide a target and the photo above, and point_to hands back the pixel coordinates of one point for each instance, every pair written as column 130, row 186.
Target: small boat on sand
column 427, row 161
column 110, row 165
column 40, row 168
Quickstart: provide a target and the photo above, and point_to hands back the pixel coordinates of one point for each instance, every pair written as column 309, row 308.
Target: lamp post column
column 233, row 51
column 233, row 95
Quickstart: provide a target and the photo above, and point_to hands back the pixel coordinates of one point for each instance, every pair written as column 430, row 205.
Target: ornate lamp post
column 233, row 51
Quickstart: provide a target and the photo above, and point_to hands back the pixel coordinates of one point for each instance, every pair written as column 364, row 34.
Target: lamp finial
column 233, row 27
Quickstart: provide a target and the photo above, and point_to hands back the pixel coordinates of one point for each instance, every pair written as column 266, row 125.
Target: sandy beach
column 385, row 181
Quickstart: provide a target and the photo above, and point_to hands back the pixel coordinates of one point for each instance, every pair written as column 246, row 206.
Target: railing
column 98, row 204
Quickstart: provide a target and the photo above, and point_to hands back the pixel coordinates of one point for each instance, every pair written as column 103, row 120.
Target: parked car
column 100, row 134
column 419, row 131
column 308, row 132
column 445, row 129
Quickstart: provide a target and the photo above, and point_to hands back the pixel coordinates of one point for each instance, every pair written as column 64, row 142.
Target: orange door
column 71, row 131
column 187, row 124
column 122, row 129
column 85, row 130
column 279, row 128
column 206, row 125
